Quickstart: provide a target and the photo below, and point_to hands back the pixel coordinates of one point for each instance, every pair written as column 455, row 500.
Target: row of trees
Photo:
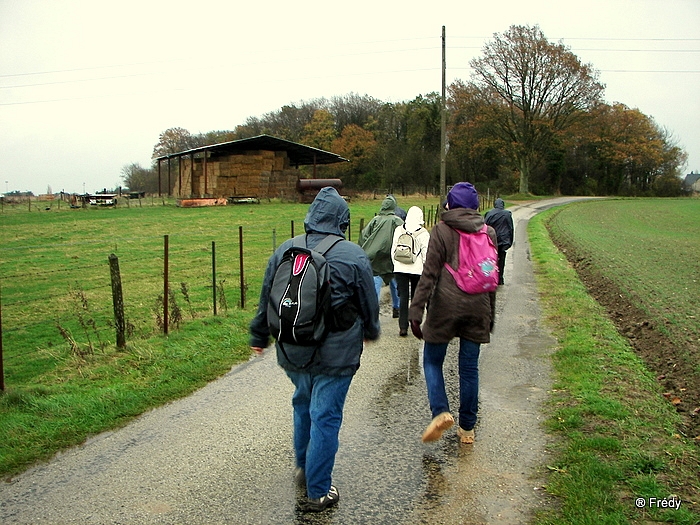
column 531, row 119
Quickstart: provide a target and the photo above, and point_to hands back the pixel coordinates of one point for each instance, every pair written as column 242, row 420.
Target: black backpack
column 300, row 296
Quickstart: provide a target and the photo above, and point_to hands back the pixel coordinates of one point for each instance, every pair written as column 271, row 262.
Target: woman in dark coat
column 452, row 313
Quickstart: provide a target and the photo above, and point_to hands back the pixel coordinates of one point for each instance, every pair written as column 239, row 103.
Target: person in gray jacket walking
column 502, row 221
column 322, row 386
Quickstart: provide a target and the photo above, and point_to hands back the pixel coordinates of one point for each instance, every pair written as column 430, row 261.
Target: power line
column 330, row 56
column 666, row 71
column 374, row 42
column 606, row 39
column 200, row 68
column 313, row 49
column 614, row 50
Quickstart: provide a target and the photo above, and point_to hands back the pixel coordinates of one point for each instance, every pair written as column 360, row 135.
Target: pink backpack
column 478, row 263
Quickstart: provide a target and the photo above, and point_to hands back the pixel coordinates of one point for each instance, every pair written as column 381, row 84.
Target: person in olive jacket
column 321, row 386
column 376, row 239
column 452, row 313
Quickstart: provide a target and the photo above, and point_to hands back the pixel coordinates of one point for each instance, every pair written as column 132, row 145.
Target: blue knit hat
column 463, row 195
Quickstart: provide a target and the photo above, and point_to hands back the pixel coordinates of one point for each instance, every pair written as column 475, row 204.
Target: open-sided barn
column 257, row 167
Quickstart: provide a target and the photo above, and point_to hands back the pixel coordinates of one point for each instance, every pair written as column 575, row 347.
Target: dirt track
column 223, row 455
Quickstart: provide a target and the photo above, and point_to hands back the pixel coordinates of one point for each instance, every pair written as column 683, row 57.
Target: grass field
column 651, row 249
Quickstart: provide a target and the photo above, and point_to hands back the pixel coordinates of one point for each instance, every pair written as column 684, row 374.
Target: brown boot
column 437, row 426
column 466, row 437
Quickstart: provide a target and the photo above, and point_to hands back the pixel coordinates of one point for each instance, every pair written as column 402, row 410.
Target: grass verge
column 615, row 434
column 87, row 395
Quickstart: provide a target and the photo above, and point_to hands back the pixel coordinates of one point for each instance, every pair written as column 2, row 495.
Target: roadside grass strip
column 617, row 457
column 82, row 397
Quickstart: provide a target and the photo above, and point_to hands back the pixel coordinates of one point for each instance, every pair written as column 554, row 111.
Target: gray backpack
column 405, row 248
column 300, row 295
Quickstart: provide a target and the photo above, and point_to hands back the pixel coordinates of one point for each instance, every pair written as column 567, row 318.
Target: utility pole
column 443, row 125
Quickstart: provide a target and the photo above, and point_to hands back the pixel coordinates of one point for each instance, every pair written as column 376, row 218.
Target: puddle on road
column 398, row 383
column 534, row 345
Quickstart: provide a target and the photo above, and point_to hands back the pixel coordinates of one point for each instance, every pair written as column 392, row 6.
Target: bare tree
column 533, row 90
column 137, row 178
column 174, row 140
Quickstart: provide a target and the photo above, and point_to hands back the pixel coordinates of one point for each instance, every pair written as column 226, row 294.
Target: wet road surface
column 224, row 454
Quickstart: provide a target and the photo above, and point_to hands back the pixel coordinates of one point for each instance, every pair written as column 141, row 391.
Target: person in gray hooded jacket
column 322, row 386
column 502, row 221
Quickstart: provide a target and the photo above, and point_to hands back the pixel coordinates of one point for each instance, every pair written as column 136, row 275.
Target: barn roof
column 299, row 154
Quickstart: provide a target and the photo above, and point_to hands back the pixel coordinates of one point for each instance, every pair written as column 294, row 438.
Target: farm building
column 259, row 167
column 692, row 182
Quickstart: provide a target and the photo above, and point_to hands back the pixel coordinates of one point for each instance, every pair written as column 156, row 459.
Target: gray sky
column 86, row 87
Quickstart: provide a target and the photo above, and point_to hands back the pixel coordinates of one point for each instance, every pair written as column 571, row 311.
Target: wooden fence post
column 240, row 251
column 2, row 368
column 213, row 273
column 117, row 300
column 165, row 284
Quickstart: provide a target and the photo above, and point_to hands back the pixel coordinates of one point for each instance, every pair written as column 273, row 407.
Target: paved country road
column 224, row 454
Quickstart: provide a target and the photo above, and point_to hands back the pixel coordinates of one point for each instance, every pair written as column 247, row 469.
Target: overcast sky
column 86, row 87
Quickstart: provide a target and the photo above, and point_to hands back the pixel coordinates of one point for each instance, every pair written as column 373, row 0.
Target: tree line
column 531, row 119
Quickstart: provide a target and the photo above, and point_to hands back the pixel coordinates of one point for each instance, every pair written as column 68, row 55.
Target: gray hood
column 328, row 213
column 499, row 204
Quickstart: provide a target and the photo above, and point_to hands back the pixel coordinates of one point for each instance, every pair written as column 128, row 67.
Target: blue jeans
column 378, row 283
column 433, row 358
column 318, row 403
column 394, row 294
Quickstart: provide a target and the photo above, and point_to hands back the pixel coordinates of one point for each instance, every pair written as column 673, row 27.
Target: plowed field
column 616, row 261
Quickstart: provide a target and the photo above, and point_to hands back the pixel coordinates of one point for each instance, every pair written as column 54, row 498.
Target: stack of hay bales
column 261, row 174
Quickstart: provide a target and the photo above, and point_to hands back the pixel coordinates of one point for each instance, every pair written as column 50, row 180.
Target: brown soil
column 672, row 363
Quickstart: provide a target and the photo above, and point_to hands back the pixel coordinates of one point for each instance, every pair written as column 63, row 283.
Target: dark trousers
column 501, row 264
column 406, row 284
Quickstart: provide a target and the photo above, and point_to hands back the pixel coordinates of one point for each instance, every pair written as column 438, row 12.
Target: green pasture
column 54, row 269
column 616, row 437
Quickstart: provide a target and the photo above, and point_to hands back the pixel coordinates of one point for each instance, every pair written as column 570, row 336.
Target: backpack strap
column 413, row 241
